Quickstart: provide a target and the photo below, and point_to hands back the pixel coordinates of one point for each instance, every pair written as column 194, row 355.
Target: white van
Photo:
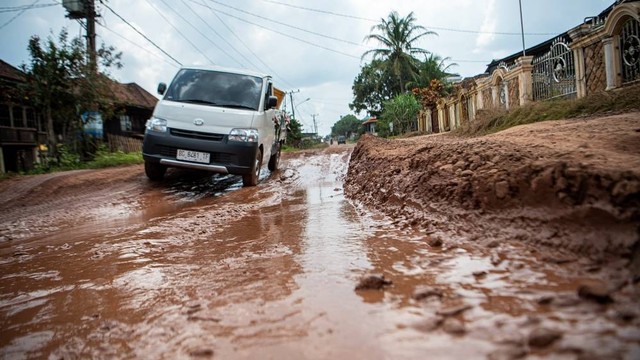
column 216, row 119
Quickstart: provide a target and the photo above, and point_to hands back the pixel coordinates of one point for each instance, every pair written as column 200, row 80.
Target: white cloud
column 322, row 75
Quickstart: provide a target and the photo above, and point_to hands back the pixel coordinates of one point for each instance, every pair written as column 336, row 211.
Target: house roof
column 10, row 72
column 370, row 120
column 133, row 94
column 544, row 46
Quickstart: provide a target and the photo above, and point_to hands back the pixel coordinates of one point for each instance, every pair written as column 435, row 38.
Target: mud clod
column 543, row 337
column 425, row 292
column 454, row 310
column 372, row 282
column 595, row 291
column 453, row 326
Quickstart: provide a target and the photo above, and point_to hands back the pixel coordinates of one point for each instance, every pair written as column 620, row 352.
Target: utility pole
column 315, row 125
column 85, row 9
column 293, row 108
column 91, row 35
column 522, row 29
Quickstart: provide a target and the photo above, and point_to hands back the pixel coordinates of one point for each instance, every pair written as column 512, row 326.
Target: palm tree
column 397, row 36
column 433, row 67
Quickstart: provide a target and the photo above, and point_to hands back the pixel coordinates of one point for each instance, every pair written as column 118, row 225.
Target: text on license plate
column 196, row 156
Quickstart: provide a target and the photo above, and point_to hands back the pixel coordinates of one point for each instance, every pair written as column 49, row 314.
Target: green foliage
column 62, row 85
column 402, row 111
column 104, row 158
column 432, row 68
column 372, row 87
column 294, row 133
column 397, row 36
column 347, row 125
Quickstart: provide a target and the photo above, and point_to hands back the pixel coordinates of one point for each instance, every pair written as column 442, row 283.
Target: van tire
column 154, row 170
column 274, row 160
column 252, row 179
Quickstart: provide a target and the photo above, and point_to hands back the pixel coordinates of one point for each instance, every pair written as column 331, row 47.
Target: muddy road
column 104, row 264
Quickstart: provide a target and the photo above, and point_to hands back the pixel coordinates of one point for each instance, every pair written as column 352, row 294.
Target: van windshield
column 216, row 89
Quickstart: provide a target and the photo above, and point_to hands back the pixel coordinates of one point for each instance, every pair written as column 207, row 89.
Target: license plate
column 194, row 156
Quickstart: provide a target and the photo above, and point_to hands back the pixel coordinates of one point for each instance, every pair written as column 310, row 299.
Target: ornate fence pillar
column 525, row 79
column 581, row 77
column 609, row 62
column 441, row 108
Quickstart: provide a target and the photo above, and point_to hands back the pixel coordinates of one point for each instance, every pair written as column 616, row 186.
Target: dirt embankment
column 571, row 184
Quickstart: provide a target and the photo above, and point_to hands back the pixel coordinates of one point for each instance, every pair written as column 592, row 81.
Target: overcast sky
column 311, row 46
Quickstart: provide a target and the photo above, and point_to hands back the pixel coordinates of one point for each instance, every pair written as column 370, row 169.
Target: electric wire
column 18, row 15
column 7, row 9
column 245, row 45
column 139, row 32
column 287, row 35
column 287, row 25
column 429, row 27
column 137, row 45
column 179, row 32
column 220, row 36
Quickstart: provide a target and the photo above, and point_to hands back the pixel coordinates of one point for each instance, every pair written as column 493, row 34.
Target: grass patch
column 494, row 120
column 110, row 159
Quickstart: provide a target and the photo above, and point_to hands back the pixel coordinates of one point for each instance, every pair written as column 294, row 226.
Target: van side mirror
column 162, row 87
column 273, row 102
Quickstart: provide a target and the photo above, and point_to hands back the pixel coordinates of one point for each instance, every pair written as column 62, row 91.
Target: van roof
column 227, row 70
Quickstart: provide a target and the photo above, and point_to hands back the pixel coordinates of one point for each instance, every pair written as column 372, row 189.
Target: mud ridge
column 571, row 184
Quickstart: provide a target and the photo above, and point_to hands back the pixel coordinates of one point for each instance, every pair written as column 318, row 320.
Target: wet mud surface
column 104, row 264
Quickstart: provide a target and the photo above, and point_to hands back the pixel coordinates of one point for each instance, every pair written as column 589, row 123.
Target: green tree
column 294, row 133
column 402, row 112
column 347, row 125
column 432, row 68
column 397, row 37
column 372, row 87
column 62, row 85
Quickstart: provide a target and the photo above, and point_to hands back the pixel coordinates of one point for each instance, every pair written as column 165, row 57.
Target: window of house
column 18, row 117
column 32, row 121
column 5, row 119
column 125, row 123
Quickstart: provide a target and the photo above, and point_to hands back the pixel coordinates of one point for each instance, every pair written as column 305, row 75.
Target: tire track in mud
column 271, row 271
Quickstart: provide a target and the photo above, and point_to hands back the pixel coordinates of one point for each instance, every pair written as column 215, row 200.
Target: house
column 23, row 131
column 21, row 128
column 135, row 106
column 369, row 124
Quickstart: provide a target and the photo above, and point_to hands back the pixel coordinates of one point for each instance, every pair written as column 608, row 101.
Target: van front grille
column 196, row 135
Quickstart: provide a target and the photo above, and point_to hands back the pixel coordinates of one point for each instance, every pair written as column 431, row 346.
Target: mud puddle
column 269, row 272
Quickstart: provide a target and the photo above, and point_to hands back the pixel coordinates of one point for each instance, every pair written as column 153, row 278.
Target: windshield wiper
column 198, row 101
column 236, row 106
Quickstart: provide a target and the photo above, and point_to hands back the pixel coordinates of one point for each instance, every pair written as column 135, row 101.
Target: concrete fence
column 601, row 54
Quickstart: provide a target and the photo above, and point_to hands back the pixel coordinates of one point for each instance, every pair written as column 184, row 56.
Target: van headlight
column 244, row 135
column 156, row 124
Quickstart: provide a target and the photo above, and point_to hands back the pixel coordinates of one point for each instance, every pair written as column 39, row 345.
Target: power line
column 430, row 27
column 215, row 32
column 18, row 14
column 178, row 31
column 137, row 45
column 288, row 25
column 245, row 45
column 138, row 31
column 289, row 36
column 7, row 9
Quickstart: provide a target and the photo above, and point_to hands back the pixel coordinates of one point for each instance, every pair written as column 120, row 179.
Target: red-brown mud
column 572, row 184
column 105, row 264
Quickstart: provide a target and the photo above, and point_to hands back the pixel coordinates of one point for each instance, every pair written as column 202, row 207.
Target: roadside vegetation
column 491, row 121
column 399, row 78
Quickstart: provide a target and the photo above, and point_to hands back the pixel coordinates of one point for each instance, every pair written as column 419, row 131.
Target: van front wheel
column 252, row 179
column 154, row 170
